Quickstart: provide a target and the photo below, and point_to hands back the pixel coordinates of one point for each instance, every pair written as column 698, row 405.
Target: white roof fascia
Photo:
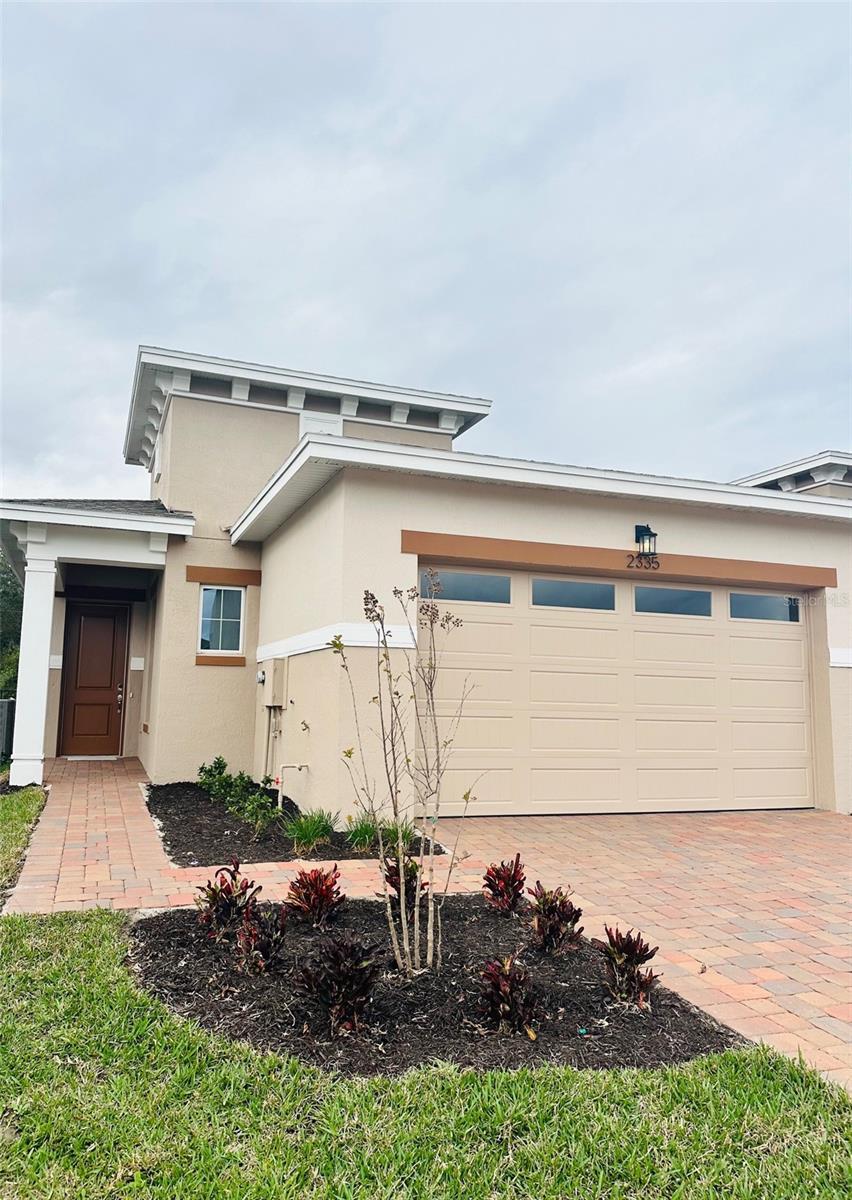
column 132, row 522
column 799, row 467
column 470, row 408
column 318, row 457
column 310, row 381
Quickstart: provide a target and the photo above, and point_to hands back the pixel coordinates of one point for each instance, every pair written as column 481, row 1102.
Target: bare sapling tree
column 415, row 744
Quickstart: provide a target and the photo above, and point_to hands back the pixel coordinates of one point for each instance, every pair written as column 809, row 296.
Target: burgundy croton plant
column 225, row 901
column 315, row 896
column 503, row 885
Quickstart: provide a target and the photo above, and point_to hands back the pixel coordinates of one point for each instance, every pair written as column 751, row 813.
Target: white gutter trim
column 341, row 452
column 353, row 633
column 149, row 523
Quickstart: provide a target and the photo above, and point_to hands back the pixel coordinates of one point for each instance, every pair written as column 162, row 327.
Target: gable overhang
column 318, row 458
column 70, row 534
column 801, row 466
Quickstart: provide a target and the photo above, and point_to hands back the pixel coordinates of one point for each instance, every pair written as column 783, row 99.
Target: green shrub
column 310, row 829
column 240, row 794
column 257, row 809
column 391, row 831
column 215, row 779
column 362, row 832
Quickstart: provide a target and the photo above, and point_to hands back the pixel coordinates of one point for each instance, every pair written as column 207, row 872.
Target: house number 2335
column 643, row 562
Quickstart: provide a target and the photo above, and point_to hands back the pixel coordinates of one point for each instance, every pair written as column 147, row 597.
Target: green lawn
column 18, row 813
column 104, row 1094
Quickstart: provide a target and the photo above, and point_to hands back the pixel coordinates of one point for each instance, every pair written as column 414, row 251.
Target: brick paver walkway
column 751, row 910
column 96, row 846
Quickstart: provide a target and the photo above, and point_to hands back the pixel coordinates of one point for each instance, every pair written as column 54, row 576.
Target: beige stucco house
column 714, row 673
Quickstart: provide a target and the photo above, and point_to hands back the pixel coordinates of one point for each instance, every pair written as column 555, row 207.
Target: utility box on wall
column 275, row 684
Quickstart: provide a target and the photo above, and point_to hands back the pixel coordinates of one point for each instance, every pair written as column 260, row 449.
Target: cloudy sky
column 627, row 225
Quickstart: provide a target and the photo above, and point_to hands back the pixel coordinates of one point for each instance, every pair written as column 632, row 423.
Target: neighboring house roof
column 161, row 374
column 828, row 466
column 317, row 458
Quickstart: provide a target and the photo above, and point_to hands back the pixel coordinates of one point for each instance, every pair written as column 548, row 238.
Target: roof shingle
column 149, row 508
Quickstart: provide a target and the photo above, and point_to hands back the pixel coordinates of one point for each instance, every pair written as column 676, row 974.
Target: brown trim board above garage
column 464, row 550
column 226, row 576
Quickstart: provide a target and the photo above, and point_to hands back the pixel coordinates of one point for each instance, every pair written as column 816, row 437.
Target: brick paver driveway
column 751, row 910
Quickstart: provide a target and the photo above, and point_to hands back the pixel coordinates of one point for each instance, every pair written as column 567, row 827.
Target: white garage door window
column 595, row 695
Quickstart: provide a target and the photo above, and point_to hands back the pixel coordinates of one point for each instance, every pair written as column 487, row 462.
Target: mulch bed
column 197, row 830
column 433, row 1017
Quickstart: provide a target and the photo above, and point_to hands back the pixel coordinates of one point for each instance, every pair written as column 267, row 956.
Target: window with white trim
column 220, row 620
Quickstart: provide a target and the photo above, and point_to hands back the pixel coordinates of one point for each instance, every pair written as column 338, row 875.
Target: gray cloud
column 625, row 224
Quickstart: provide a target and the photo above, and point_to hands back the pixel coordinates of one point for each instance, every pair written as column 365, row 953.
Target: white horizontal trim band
column 840, row 657
column 354, row 633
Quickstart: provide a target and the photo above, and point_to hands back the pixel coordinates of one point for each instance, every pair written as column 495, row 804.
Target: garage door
column 612, row 696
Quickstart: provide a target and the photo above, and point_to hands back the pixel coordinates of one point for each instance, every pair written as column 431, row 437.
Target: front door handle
column 120, row 697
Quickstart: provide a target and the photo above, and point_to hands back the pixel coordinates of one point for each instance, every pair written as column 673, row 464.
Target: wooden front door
column 93, row 678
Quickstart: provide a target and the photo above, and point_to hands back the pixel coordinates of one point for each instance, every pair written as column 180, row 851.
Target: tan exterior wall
column 835, row 491
column 400, row 435
column 375, row 507
column 196, row 712
column 215, row 458
column 302, row 566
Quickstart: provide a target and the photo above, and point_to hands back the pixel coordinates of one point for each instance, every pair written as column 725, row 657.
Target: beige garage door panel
column 578, row 711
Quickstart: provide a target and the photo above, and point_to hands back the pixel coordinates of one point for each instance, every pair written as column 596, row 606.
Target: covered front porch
column 90, row 572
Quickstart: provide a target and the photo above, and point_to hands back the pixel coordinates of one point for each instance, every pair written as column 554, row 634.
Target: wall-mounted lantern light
column 646, row 540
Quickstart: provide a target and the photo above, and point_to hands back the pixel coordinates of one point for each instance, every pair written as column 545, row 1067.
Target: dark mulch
column 433, row 1017
column 197, row 830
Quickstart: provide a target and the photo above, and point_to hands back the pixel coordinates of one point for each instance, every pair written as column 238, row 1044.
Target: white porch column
column 33, row 669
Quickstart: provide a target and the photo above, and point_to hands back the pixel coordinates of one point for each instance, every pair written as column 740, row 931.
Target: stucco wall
column 214, row 458
column 375, row 507
column 399, row 434
column 197, row 712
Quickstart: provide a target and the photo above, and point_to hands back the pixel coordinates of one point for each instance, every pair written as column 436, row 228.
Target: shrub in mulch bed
column 432, row 1017
column 197, row 829
column 503, row 885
